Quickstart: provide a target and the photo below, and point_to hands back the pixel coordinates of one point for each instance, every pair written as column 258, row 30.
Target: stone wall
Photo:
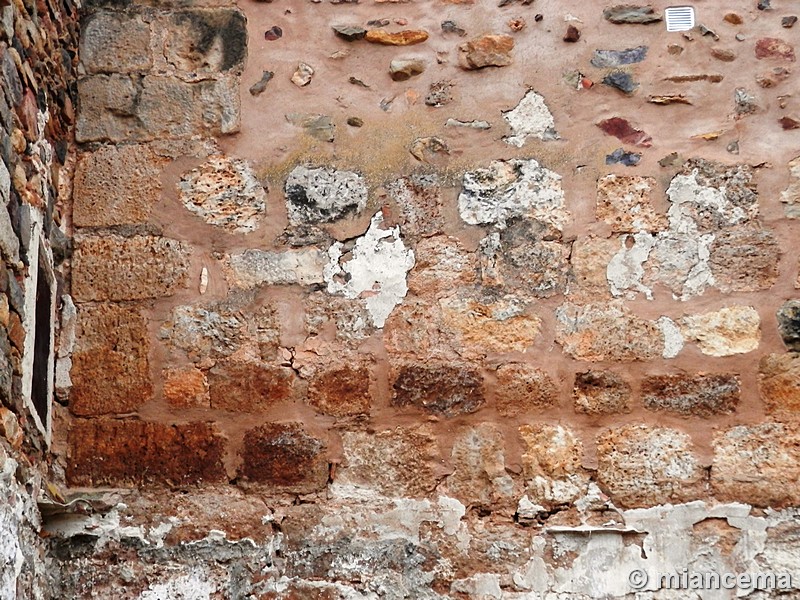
column 431, row 299
column 38, row 72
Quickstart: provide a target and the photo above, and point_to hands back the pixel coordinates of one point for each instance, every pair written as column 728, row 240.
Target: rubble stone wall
column 432, row 299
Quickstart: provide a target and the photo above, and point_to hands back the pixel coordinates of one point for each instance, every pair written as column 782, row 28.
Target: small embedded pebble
column 740, row 37
column 517, row 24
column 733, row 19
column 302, row 76
column 258, row 87
column 355, row 122
column 451, row 27
column 378, row 23
column 273, row 33
column 764, row 5
column 538, row 17
column 350, row 33
column 572, row 35
column 788, row 22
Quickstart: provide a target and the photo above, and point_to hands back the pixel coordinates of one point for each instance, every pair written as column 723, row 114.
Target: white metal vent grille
column 679, row 18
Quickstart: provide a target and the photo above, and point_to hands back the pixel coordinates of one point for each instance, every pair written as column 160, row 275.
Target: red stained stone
column 789, row 123
column 774, row 48
column 625, row 132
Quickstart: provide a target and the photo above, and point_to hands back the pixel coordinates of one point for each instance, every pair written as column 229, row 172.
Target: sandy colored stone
column 520, row 388
column 441, row 389
column 482, row 325
column 284, row 458
column 757, row 465
column 341, row 391
column 698, row 395
column 642, row 466
column 406, row 37
column 551, row 464
column 397, row 462
column 589, row 263
column 744, row 259
column 225, row 193
column 134, row 268
column 110, row 369
column 116, row 185
column 598, row 332
column 441, row 265
column 479, row 478
column 203, row 43
column 115, row 42
column 791, row 195
column 779, row 384
column 132, row 453
column 255, row 267
column 10, row 428
column 186, row 388
column 728, row 331
column 601, row 392
column 249, row 386
column 419, row 198
column 203, row 332
column 493, row 50
column 625, row 202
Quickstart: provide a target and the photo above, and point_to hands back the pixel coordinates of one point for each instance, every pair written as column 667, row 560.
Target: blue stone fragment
column 605, row 59
column 620, row 156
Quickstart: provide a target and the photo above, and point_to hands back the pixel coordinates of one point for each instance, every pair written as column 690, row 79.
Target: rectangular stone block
column 285, row 458
column 441, row 389
column 118, row 108
column 114, row 42
column 249, row 386
column 116, row 268
column 133, row 453
column 698, row 395
column 203, row 43
column 110, row 369
column 779, row 384
column 116, row 185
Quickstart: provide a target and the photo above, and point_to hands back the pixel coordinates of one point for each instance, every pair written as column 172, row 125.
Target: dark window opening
column 40, row 386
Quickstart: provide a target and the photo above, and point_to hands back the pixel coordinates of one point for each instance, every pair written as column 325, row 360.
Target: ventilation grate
column 679, row 18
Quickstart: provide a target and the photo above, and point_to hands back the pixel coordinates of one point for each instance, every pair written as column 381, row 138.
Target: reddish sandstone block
column 248, row 386
column 521, row 388
column 110, row 371
column 441, row 389
column 697, row 395
column 186, row 388
column 779, row 384
column 284, row 457
column 128, row 453
column 340, row 392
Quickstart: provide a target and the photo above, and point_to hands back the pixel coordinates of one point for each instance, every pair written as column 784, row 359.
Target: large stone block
column 441, row 265
column 202, row 43
column 625, row 203
column 757, row 465
column 601, row 392
column 119, row 108
column 730, row 330
column 117, row 268
column 551, row 465
column 396, row 463
column 788, row 316
column 285, row 458
column 441, row 389
column 110, row 370
column 114, row 42
column 521, row 388
column 744, row 259
column 186, row 388
column 644, row 466
column 698, row 395
column 249, row 386
column 133, row 453
column 323, row 195
column 256, row 267
column 116, row 185
column 341, row 391
column 779, row 384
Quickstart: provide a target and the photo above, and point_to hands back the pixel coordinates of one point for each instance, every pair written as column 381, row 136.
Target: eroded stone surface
column 728, row 331
column 744, row 259
column 791, row 195
column 788, row 316
column 323, row 195
column 521, row 388
column 115, row 42
column 551, row 464
column 480, row 478
column 697, row 395
column 441, row 389
column 512, row 188
column 225, row 193
column 249, row 386
column 378, row 264
column 779, row 384
column 253, row 268
column 530, row 118
column 643, row 466
column 341, row 391
column 625, row 203
column 601, row 392
column 493, row 50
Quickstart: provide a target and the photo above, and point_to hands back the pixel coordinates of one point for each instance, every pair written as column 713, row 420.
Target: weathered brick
column 597, row 332
column 698, row 395
column 479, row 477
column 285, row 458
column 521, row 388
column 186, row 388
column 116, row 185
column 132, row 453
column 779, row 384
column 642, row 466
column 116, row 268
column 441, row 389
column 341, row 391
column 395, row 463
column 744, row 259
column 625, row 203
column 757, row 465
column 118, row 108
column 115, row 42
column 601, row 392
column 249, row 386
column 110, row 370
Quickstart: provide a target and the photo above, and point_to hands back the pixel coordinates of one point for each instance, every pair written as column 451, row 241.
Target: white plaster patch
column 512, row 188
column 375, row 272
column 673, row 339
column 626, row 269
column 225, row 193
column 687, row 196
column 530, row 118
column 189, row 587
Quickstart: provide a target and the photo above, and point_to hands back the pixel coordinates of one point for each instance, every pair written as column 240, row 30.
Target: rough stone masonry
column 383, row 299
